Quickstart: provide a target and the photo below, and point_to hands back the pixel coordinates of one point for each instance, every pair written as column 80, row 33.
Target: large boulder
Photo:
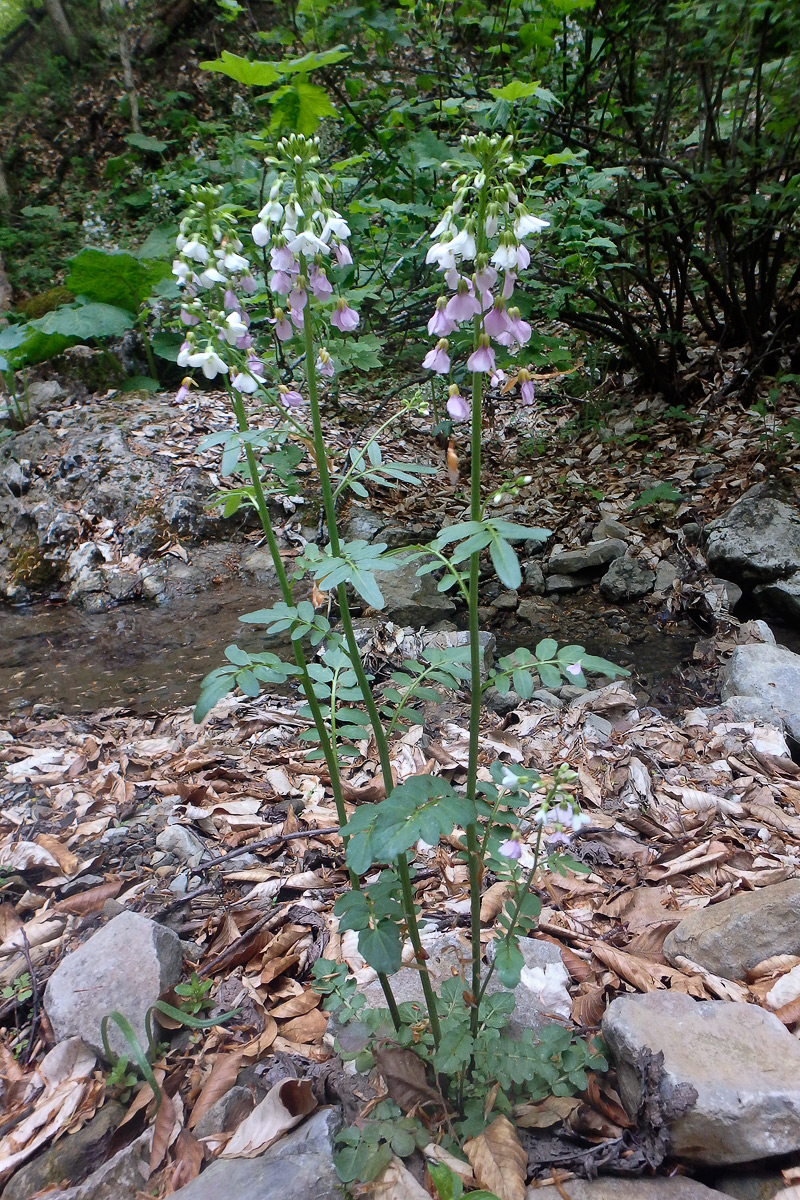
column 770, row 673
column 411, row 599
column 627, row 579
column 124, row 968
column 732, row 937
column 729, row 1079
column 298, row 1167
column 610, row 1188
column 782, row 595
column 756, row 541
column 591, row 557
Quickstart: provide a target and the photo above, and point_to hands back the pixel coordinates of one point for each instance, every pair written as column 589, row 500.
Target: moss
column 45, row 302
column 28, row 565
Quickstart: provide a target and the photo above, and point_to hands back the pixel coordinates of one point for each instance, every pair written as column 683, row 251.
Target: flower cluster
column 479, row 247
column 214, row 276
column 307, row 240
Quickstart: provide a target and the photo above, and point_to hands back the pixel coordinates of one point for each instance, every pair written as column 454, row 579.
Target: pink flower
column 452, row 278
column 457, row 406
column 281, row 283
column 282, row 259
column 485, row 279
column 519, row 328
column 283, row 328
column 324, row 363
column 289, row 397
column 231, row 300
column 525, row 379
column 343, row 317
column 319, row 283
column 298, row 320
column 189, row 318
column 464, row 305
column 343, row 256
column 510, row 849
column 440, row 324
column 481, row 361
column 574, row 668
column 497, row 377
column 298, row 297
column 496, row 322
column 248, row 285
column 244, row 342
column 523, row 257
column 509, row 280
column 438, row 359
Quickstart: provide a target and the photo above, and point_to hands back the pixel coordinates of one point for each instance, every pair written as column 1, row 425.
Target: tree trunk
column 66, row 38
column 130, row 83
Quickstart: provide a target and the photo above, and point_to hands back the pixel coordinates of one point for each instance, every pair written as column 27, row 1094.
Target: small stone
column 770, row 673
column 732, row 937
column 732, row 592
column 185, row 845
column 17, row 477
column 123, row 586
column 125, row 966
column 501, row 704
column 598, row 728
column 607, row 1187
column 627, row 579
column 411, row 599
column 42, row 395
column 70, row 1158
column 228, row 1112
column 588, row 558
column 570, row 691
column 610, row 527
column 298, row 1167
column 83, row 558
column 547, row 698
column 184, row 515
column 533, row 576
column 259, row 565
column 364, row 523
column 707, row 471
column 666, row 574
column 566, row 583
column 143, row 537
column 506, row 601
column 732, row 1072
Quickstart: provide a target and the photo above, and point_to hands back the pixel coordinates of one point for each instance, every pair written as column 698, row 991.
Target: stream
column 143, row 657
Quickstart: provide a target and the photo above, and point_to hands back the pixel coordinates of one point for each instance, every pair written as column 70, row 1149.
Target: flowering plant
column 514, row 823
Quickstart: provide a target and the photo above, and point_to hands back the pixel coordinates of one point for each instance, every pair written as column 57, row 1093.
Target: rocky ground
column 140, row 853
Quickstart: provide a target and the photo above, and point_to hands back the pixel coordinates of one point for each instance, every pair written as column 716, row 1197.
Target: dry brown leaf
column 492, row 901
column 189, row 1155
column 220, row 1081
column 168, row 1124
column 297, row 1006
column 283, row 1107
column 397, row 1183
column 308, row 1028
column 405, row 1077
column 588, row 1005
column 637, row 971
column 276, row 966
column 90, row 901
column 259, row 1045
column 544, row 1115
column 67, row 861
column 498, row 1160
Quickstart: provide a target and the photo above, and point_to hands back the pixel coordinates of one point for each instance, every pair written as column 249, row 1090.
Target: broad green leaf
column 114, row 277
column 506, row 563
column 142, row 142
column 85, row 321
column 515, row 90
column 546, row 649
column 509, row 962
column 381, row 947
column 299, row 107
column 253, row 74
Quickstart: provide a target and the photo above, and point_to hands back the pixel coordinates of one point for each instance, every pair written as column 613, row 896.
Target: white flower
column 307, row 242
column 505, row 256
column 445, row 225
column 336, row 226
column 261, row 234
column 244, row 382
column 271, row 212
column 236, row 328
column 235, row 262
column 508, row 780
column 491, row 225
column 463, row 245
column 209, row 361
column 183, row 355
column 442, row 254
column 211, row 275
column 526, row 223
column 291, row 216
column 180, row 241
column 196, row 250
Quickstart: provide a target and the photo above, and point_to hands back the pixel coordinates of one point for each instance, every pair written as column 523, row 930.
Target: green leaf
column 509, row 962
column 167, row 345
column 455, row 1050
column 299, row 107
column 546, row 649
column 506, row 563
column 382, row 947
column 211, row 692
column 253, row 74
column 142, row 142
column 85, row 321
column 515, row 90
column 446, row 1182
column 114, row 277
column 549, row 675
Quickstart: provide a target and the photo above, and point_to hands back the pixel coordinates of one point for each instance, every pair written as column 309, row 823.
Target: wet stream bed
column 144, row 658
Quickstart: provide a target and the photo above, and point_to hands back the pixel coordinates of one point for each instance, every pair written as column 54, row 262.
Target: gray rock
column 610, row 1188
column 730, row 938
column 123, row 586
column 125, row 966
column 70, row 1158
column 143, row 537
column 754, row 1183
column 750, row 708
column 533, row 576
column 185, row 515
column 411, row 599
column 17, row 477
column 298, row 1167
column 502, row 705
column 506, row 601
column 782, row 596
column 707, row 471
column 666, row 574
column 364, row 523
column 739, row 1061
column 42, row 395
column 123, row 1177
column 627, row 579
column 449, row 955
column 228, row 1112
column 82, row 558
column 586, row 558
column 732, row 592
column 259, row 565
column 597, row 728
column 567, row 583
column 545, row 697
column 180, row 841
column 770, row 673
column 757, row 540
column 610, row 527
column 756, row 631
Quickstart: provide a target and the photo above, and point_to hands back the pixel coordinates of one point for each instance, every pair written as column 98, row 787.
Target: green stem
column 358, row 666
column 524, row 889
column 148, row 349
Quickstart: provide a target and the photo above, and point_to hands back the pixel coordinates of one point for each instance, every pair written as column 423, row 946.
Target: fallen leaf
column 283, row 1107
column 544, row 1115
column 405, row 1077
column 297, row 1006
column 492, row 901
column 308, row 1028
column 90, row 901
column 220, row 1081
column 168, row 1124
column 189, row 1155
column 397, row 1183
column 498, row 1160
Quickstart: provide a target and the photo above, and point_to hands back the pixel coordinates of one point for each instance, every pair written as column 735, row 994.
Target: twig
column 26, row 950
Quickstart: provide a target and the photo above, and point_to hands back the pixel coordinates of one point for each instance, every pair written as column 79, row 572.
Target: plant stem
column 148, row 349
column 358, row 666
column 518, row 908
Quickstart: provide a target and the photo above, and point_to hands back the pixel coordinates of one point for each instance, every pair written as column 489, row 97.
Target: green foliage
column 19, row 990
column 662, row 493
column 116, row 279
